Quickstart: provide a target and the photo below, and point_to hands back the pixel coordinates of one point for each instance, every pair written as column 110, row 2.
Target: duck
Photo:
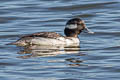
column 72, row 29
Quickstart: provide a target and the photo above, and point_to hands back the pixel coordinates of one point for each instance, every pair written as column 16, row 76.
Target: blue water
column 99, row 54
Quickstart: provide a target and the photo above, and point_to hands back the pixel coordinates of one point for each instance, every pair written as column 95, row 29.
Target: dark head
column 74, row 27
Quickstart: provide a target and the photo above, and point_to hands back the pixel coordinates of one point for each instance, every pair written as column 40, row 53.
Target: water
column 97, row 59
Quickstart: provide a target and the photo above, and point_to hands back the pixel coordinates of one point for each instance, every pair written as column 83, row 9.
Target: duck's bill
column 86, row 30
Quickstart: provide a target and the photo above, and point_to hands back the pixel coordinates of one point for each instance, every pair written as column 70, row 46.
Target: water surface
column 99, row 54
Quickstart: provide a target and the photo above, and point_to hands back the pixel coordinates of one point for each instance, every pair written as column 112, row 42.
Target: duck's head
column 74, row 27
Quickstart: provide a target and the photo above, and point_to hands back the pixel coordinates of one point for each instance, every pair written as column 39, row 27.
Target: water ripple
column 96, row 59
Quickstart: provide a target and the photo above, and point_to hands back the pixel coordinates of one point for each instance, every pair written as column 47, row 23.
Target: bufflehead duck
column 72, row 29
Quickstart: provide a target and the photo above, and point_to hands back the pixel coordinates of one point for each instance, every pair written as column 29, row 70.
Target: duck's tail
column 18, row 43
column 13, row 43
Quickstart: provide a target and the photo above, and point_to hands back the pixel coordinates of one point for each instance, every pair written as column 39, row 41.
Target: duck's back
column 44, row 34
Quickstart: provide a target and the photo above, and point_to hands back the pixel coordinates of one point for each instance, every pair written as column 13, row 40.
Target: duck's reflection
column 43, row 51
column 46, row 51
column 75, row 62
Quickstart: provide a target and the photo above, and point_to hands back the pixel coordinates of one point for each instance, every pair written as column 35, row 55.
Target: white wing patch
column 71, row 26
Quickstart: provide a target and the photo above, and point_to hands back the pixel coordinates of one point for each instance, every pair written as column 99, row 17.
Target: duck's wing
column 44, row 34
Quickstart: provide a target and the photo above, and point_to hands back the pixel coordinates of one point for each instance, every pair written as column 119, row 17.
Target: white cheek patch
column 71, row 26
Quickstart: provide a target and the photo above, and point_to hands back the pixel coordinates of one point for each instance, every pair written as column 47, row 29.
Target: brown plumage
column 44, row 34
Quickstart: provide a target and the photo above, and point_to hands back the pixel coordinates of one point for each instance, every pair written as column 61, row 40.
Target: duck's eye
column 82, row 24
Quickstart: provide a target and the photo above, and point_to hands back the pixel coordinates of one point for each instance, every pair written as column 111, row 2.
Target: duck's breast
column 72, row 41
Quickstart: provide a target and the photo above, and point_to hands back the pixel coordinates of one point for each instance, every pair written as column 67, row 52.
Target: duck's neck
column 75, row 36
column 71, row 32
